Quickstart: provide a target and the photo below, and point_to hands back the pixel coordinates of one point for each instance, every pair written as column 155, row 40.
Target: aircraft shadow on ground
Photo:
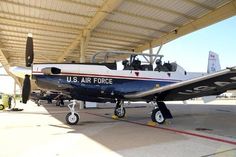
column 113, row 134
column 119, row 135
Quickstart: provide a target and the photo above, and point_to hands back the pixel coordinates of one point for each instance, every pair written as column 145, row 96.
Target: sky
column 190, row 51
column 7, row 83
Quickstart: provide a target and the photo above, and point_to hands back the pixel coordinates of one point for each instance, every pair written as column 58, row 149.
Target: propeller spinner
column 29, row 57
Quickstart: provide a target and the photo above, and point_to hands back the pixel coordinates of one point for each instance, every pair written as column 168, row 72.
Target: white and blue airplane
column 102, row 82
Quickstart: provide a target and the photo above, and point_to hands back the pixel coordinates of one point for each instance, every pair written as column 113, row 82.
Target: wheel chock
column 151, row 123
column 167, row 122
column 114, row 117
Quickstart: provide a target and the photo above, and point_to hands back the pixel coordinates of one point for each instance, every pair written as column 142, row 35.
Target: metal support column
column 14, row 97
column 83, row 46
column 82, row 49
column 150, row 52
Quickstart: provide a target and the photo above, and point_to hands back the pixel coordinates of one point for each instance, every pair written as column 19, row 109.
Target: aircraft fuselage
column 100, row 84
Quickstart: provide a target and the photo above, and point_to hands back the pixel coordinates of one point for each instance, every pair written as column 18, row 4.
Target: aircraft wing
column 210, row 84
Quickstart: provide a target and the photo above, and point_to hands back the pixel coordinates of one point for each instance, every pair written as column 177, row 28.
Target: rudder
column 213, row 62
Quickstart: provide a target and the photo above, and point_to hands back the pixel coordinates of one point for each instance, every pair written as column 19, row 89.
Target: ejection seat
column 167, row 66
column 126, row 65
column 160, row 67
column 136, row 64
column 147, row 67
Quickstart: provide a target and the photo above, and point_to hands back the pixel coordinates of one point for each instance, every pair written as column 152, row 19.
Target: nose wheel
column 72, row 118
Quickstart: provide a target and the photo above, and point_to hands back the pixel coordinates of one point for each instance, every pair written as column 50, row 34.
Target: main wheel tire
column 2, row 107
column 119, row 112
column 157, row 116
column 72, row 119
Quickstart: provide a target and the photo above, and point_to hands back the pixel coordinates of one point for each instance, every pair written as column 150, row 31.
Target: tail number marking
column 207, row 88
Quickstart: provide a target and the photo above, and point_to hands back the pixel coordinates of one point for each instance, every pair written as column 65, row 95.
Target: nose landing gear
column 72, row 118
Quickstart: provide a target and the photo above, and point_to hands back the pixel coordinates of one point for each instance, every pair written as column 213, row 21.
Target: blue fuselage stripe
column 80, row 86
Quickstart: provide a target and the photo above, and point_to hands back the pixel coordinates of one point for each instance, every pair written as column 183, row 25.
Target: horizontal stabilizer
column 207, row 99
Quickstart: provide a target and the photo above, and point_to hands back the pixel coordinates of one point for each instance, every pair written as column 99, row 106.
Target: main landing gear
column 120, row 110
column 72, row 118
column 160, row 113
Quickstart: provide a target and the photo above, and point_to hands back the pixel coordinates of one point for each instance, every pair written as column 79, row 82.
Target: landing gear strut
column 60, row 102
column 160, row 113
column 72, row 118
column 38, row 102
column 120, row 110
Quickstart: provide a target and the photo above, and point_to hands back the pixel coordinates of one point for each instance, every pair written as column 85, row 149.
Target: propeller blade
column 26, row 89
column 29, row 53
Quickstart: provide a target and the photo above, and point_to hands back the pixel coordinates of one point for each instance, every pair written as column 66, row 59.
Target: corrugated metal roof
column 59, row 25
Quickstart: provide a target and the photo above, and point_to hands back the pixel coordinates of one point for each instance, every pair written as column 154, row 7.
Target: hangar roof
column 63, row 28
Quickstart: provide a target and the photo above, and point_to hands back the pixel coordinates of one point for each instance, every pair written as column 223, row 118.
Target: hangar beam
column 101, row 14
column 217, row 15
column 6, row 66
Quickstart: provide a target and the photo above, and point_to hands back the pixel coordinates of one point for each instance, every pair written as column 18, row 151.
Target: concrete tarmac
column 197, row 130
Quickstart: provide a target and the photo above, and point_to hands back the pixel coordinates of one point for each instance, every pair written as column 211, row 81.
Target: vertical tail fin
column 213, row 62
